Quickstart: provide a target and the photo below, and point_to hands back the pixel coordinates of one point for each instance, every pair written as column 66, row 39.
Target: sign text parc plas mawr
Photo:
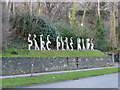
column 61, row 44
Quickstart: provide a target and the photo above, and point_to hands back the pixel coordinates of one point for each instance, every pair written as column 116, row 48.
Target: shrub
column 101, row 43
column 21, row 44
column 86, row 32
column 25, row 23
column 65, row 30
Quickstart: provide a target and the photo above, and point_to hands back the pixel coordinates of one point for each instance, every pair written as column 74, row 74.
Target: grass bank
column 19, row 81
column 53, row 53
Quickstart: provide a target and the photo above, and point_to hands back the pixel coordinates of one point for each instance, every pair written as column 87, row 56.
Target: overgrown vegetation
column 78, row 20
column 20, row 81
column 101, row 43
column 24, row 23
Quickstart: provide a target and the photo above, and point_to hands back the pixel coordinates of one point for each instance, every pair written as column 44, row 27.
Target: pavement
column 102, row 81
column 26, row 75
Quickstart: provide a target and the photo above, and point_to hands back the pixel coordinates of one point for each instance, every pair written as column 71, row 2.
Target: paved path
column 25, row 75
column 102, row 81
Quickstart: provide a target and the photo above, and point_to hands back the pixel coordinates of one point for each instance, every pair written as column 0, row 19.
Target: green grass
column 19, row 81
column 53, row 53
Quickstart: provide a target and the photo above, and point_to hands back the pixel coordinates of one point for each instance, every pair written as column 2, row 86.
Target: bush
column 25, row 23
column 21, row 44
column 86, row 32
column 101, row 43
column 66, row 31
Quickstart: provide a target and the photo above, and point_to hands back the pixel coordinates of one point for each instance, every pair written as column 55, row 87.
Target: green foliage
column 101, row 44
column 18, row 44
column 104, row 12
column 66, row 30
column 103, row 4
column 86, row 32
column 38, row 4
column 24, row 23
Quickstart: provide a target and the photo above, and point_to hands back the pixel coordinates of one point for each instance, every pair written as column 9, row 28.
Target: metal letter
column 78, row 44
column 42, row 43
column 57, row 43
column 87, row 43
column 30, row 41
column 71, row 43
column 83, row 45
column 48, row 42
column 67, row 46
column 62, row 43
column 92, row 45
column 36, row 45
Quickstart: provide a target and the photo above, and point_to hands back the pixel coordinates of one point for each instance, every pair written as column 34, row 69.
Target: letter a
column 36, row 45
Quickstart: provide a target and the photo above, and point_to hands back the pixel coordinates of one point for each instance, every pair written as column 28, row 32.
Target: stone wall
column 15, row 65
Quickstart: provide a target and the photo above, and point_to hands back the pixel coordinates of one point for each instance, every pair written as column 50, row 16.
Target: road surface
column 102, row 81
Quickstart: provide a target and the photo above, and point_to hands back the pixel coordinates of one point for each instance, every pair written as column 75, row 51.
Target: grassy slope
column 19, row 81
column 53, row 53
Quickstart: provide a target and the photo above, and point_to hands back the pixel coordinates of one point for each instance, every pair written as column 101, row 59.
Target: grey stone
column 19, row 65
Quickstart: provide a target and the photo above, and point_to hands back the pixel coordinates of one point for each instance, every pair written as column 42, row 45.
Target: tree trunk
column 119, row 24
column 113, row 37
column 5, row 24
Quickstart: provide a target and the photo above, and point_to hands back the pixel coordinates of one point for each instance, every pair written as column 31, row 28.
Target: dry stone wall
column 16, row 65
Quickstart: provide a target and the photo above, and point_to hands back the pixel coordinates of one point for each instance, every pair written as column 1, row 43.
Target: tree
column 5, row 25
column 100, row 40
column 38, row 7
column 101, row 43
column 72, row 15
column 55, row 11
column 119, row 24
column 113, row 36
column 85, row 9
